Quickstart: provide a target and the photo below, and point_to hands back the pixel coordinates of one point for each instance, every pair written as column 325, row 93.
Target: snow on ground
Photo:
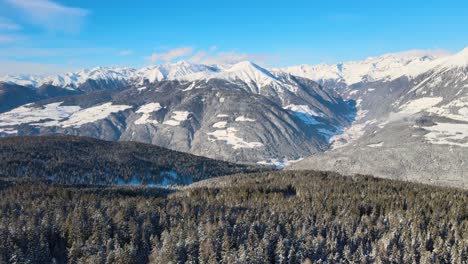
column 220, row 124
column 301, row 109
column 448, row 134
column 329, row 134
column 229, row 136
column 279, row 164
column 420, row 104
column 57, row 115
column 244, row 119
column 222, row 115
column 249, row 73
column 456, row 109
column 93, row 114
column 52, row 113
column 191, row 86
column 147, row 110
column 169, row 178
column 142, row 88
column 8, row 131
column 386, row 67
column 376, row 145
column 349, row 135
column 304, row 113
column 177, row 117
column 353, row 92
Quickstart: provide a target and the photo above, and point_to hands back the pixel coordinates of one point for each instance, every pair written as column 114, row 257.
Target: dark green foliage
column 276, row 217
column 70, row 159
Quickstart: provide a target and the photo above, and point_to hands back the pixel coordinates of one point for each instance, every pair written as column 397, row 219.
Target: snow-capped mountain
column 245, row 71
column 73, row 80
column 241, row 113
column 384, row 68
column 399, row 115
column 408, row 128
column 182, row 70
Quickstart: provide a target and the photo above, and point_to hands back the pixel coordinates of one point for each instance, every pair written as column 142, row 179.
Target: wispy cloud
column 50, row 15
column 227, row 57
column 7, row 24
column 213, row 56
column 209, row 56
column 8, row 39
column 170, row 54
column 125, row 52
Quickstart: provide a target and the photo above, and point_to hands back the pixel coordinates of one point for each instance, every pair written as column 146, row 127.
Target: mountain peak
column 244, row 65
column 183, row 63
column 249, row 72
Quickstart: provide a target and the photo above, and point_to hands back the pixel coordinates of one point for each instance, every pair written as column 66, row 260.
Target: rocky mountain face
column 13, row 95
column 400, row 115
column 412, row 127
column 242, row 114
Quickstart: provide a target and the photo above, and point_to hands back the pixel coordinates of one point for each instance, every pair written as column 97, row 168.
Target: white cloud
column 125, row 52
column 209, row 56
column 50, row 15
column 7, row 24
column 170, row 54
column 226, row 57
column 7, row 39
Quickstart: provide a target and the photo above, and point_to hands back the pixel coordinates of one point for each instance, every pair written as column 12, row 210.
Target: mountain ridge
column 246, row 113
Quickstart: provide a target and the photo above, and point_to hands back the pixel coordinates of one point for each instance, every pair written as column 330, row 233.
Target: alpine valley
column 401, row 115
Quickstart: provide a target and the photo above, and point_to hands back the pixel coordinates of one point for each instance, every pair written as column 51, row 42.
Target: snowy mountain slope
column 12, row 95
column 73, row 80
column 414, row 129
column 408, row 109
column 217, row 118
column 384, row 68
column 115, row 77
column 182, row 70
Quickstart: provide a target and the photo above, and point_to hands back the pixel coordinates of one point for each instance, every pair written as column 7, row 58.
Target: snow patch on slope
column 304, row 113
column 420, row 104
column 456, row 109
column 177, row 118
column 51, row 113
column 278, row 163
column 220, row 124
column 229, row 136
column 448, row 134
column 93, row 114
column 146, row 111
column 244, row 119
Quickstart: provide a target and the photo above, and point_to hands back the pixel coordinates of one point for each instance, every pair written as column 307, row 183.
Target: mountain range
column 402, row 115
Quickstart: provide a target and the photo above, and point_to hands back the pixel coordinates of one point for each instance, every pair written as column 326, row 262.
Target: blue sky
column 42, row 36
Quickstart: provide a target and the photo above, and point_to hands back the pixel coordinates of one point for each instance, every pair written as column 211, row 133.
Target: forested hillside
column 70, row 159
column 272, row 217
